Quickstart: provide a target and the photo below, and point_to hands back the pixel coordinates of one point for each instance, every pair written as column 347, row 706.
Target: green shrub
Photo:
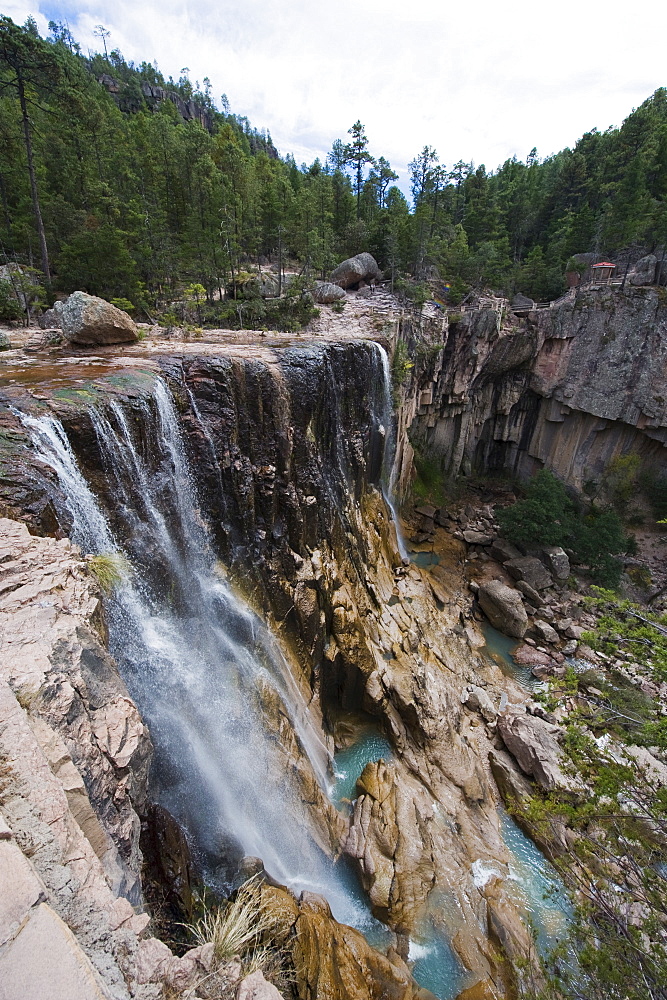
column 544, row 517
column 548, row 516
column 9, row 308
column 428, row 484
column 124, row 304
column 400, row 366
column 654, row 487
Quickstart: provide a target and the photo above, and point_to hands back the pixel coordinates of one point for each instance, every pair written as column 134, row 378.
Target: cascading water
column 385, row 420
column 211, row 683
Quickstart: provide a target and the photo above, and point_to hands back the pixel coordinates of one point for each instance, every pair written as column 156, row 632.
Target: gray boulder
column 557, row 562
column 532, row 743
column 531, row 570
column 521, row 303
column 473, row 537
column 363, row 267
column 90, row 321
column 530, row 593
column 263, row 284
column 644, row 272
column 545, row 631
column 477, row 699
column 12, row 274
column 502, row 550
column 326, row 293
column 49, row 320
column 504, row 608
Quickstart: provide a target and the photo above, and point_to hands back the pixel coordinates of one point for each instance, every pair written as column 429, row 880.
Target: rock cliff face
column 569, row 387
column 73, row 769
column 287, row 448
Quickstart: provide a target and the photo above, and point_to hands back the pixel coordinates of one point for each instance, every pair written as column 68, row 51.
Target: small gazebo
column 602, row 273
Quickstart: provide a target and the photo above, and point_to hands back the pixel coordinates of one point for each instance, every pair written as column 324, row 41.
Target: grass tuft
column 237, row 926
column 109, row 569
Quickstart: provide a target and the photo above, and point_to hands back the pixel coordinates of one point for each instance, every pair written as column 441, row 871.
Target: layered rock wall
column 570, row 387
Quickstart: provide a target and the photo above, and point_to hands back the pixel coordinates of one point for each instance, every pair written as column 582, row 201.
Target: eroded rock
column 533, row 744
column 504, row 608
column 362, row 267
column 88, row 320
column 331, row 959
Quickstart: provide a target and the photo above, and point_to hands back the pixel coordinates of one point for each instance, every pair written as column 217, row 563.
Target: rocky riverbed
column 282, row 446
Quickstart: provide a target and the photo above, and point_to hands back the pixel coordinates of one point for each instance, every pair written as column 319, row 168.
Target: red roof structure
column 604, row 265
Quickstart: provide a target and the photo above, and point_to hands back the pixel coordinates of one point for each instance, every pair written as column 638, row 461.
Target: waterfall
column 212, row 684
column 385, row 419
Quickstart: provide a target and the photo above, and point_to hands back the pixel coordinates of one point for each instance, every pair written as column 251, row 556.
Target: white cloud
column 479, row 82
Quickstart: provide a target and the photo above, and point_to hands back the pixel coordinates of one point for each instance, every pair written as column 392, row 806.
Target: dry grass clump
column 109, row 569
column 236, row 926
column 240, row 930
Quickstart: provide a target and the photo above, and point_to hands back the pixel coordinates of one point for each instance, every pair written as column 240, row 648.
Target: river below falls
column 531, row 878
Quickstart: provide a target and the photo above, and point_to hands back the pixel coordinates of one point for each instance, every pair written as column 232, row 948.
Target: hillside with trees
column 124, row 184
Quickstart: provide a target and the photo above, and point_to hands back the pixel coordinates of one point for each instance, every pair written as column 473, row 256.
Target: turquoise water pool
column 369, row 746
column 538, row 886
column 498, row 648
column 436, row 967
column 424, row 559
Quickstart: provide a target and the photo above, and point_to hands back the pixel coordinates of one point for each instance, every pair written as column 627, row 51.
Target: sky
column 479, row 81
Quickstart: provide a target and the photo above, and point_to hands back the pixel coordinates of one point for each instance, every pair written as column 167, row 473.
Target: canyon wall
column 570, row 387
column 287, row 449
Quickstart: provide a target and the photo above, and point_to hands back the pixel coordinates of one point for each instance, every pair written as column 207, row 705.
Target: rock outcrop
column 570, row 387
column 330, row 959
column 504, row 608
column 73, row 767
column 90, row 321
column 326, row 292
column 532, row 743
column 644, row 271
column 351, row 272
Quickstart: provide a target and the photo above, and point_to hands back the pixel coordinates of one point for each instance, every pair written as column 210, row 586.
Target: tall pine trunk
column 33, row 183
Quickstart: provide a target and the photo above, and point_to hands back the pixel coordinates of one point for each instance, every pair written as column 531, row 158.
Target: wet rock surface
column 297, row 514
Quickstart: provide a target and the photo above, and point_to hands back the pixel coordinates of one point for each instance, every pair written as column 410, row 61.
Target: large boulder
column 503, row 551
column 545, row 632
column 521, row 303
column 531, row 570
column 532, row 743
column 644, row 272
column 90, row 321
column 49, row 320
column 262, row 285
column 326, row 292
column 557, row 562
column 504, row 608
column 352, row 271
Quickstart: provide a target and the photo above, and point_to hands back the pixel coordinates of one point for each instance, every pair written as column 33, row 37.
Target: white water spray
column 210, row 681
column 388, row 475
